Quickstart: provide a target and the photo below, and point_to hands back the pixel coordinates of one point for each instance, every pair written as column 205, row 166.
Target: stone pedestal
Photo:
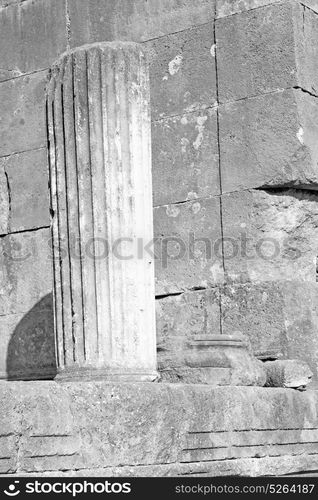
column 100, row 179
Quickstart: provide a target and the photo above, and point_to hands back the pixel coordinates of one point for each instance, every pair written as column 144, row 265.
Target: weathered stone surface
column 26, row 192
column 269, row 141
column 27, row 343
column 280, row 318
column 228, row 7
column 4, row 201
column 267, row 49
column 25, row 270
column 182, row 72
column 290, row 373
column 211, row 359
column 22, row 114
column 100, row 178
column 140, row 20
column 183, row 317
column 270, row 235
column 128, row 428
column 186, row 237
column 32, row 35
column 185, row 162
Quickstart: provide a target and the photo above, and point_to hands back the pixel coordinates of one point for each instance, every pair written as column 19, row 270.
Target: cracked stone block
column 32, row 36
column 185, row 162
column 229, row 7
column 183, row 318
column 280, row 318
column 27, row 181
column 188, row 246
column 270, row 235
column 22, row 114
column 270, row 141
column 267, row 49
column 182, row 72
column 140, row 20
column 25, row 270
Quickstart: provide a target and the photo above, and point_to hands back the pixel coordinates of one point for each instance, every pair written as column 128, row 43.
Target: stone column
column 101, row 196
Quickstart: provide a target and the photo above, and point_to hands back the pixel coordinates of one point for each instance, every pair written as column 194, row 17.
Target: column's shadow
column 31, row 350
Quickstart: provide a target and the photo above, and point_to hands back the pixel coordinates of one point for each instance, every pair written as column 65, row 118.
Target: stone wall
column 95, row 429
column 234, row 90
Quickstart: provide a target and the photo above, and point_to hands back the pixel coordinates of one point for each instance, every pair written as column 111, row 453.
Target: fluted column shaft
column 100, row 180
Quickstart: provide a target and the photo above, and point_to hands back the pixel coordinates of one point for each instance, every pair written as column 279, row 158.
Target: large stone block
column 280, row 318
column 32, row 35
column 27, row 343
column 128, row 429
column 185, row 161
column 182, row 72
column 27, row 188
column 22, row 114
column 186, row 236
column 270, row 235
column 25, row 270
column 270, row 140
column 267, row 49
column 140, row 20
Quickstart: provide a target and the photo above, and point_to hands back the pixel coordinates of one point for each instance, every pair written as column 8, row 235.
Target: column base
column 105, row 375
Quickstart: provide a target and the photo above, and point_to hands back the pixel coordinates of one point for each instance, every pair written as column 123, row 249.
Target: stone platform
column 155, row 429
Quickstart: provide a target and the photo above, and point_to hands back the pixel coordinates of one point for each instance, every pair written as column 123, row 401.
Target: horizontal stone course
column 130, row 428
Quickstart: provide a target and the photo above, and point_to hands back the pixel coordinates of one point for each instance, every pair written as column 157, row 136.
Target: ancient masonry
column 162, row 362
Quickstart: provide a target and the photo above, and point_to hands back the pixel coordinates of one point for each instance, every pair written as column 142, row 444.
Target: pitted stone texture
column 140, row 20
column 32, row 35
column 25, row 270
column 129, row 428
column 270, row 235
column 182, row 72
column 22, row 112
column 100, row 178
column 26, row 191
column 279, row 318
column 267, row 49
column 188, row 246
column 185, row 162
column 290, row 373
column 269, row 141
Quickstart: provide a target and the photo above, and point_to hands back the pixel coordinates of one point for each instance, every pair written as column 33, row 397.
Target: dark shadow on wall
column 31, row 350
